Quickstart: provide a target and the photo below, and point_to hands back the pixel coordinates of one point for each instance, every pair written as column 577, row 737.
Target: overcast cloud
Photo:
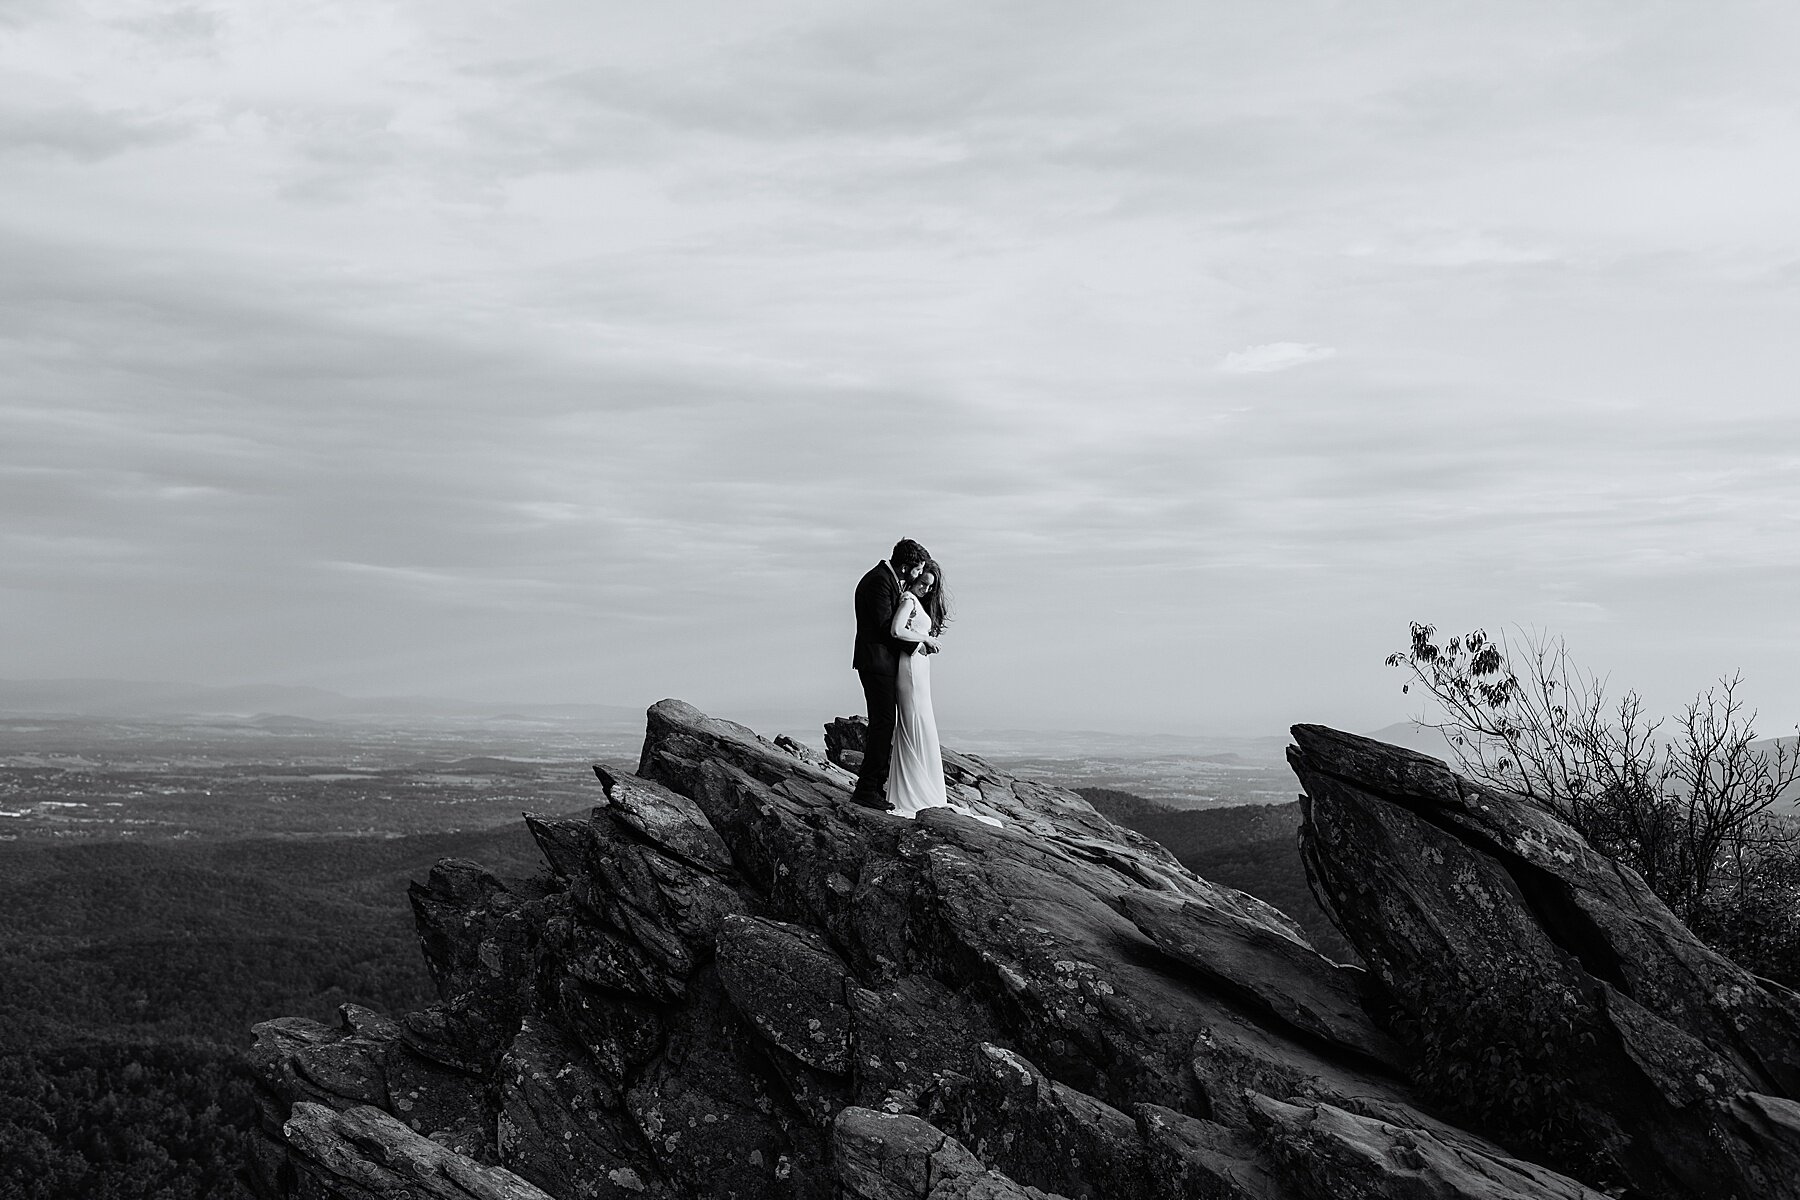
column 570, row 351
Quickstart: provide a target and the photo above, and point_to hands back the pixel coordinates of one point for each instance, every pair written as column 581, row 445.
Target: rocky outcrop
column 1556, row 998
column 844, row 740
column 729, row 981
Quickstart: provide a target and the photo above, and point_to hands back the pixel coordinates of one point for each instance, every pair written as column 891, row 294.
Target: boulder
column 845, row 740
column 1552, row 997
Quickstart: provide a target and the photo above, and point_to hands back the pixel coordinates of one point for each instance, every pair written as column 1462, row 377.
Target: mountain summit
column 731, row 982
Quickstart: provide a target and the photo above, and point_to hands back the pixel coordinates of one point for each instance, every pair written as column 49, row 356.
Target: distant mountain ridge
column 1415, row 735
column 127, row 698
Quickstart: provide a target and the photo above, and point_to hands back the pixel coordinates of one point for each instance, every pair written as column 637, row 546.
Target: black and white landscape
column 401, row 400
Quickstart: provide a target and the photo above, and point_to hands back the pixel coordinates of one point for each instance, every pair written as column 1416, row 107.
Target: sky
column 589, row 352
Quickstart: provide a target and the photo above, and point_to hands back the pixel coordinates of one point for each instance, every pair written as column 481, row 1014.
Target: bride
column 916, row 780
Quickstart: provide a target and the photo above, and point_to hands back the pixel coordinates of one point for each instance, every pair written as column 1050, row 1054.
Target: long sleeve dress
column 916, row 777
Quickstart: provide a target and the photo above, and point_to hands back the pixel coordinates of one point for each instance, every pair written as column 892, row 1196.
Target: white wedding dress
column 916, row 773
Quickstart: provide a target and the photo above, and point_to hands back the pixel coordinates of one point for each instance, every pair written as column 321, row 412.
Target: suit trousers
column 878, row 748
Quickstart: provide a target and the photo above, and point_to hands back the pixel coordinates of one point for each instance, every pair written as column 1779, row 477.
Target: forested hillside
column 130, row 974
column 1118, row 805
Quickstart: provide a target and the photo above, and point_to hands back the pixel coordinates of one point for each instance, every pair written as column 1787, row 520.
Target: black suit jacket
column 877, row 599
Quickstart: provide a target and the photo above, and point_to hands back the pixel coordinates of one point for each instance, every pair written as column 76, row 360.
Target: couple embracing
column 900, row 613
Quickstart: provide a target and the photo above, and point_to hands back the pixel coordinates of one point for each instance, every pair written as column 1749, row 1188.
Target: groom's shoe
column 878, row 803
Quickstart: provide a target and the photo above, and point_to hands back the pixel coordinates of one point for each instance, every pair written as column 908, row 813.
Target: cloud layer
column 589, row 352
column 1273, row 356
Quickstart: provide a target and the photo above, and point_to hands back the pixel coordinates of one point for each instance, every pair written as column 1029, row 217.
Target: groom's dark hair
column 908, row 553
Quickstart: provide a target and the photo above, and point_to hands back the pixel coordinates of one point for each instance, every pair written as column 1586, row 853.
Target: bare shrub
column 1689, row 809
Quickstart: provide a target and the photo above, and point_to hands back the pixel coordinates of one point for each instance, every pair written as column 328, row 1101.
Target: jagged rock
column 845, row 738
column 791, row 987
column 910, row 1035
column 1268, row 968
column 365, row 1061
column 1186, row 1157
column 1766, row 1133
column 367, row 1149
column 562, row 1127
column 890, row 1156
column 714, row 1119
column 670, row 821
column 1331, row 1154
column 732, row 982
column 1041, row 1132
column 1022, row 915
column 833, row 764
column 564, row 844
column 1586, row 1020
column 476, row 932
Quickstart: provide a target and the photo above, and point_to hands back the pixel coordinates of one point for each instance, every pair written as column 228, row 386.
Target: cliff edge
column 731, row 982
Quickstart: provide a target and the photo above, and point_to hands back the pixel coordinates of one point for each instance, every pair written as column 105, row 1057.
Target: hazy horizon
column 587, row 353
column 151, row 700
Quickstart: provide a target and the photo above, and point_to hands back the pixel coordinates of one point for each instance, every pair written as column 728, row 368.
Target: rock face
column 1574, row 1012
column 731, row 982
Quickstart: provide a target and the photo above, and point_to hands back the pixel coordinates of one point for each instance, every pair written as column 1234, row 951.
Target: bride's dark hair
column 936, row 602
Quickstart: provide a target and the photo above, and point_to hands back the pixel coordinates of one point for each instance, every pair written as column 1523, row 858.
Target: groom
column 877, row 661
